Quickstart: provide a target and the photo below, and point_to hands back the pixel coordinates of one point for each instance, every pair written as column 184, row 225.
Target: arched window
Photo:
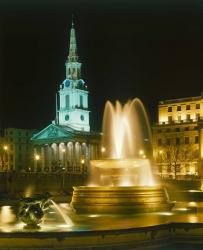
column 67, row 101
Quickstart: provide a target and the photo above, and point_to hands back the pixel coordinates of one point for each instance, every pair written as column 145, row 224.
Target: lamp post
column 5, row 157
column 103, row 150
column 142, row 153
column 82, row 162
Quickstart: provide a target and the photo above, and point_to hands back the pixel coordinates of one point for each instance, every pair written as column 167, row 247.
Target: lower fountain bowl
column 119, row 200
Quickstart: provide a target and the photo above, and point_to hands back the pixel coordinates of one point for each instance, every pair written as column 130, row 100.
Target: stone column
column 49, row 157
column 65, row 156
column 74, row 157
column 42, row 159
column 35, row 161
column 57, row 155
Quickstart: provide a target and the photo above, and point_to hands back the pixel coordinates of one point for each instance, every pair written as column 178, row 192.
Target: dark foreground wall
column 172, row 236
column 62, row 182
column 39, row 182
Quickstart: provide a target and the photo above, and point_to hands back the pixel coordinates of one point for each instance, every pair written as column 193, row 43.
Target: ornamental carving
column 52, row 132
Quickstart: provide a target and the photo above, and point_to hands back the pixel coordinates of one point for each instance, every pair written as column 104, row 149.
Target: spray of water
column 126, row 144
column 62, row 214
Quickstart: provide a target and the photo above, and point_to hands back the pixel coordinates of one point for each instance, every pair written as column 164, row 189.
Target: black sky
column 147, row 49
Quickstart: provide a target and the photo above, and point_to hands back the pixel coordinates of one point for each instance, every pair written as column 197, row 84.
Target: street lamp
column 5, row 156
column 82, row 162
column 37, row 158
column 103, row 150
column 141, row 152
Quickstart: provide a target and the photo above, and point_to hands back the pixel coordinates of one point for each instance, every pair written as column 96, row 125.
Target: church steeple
column 72, row 57
column 73, row 67
column 73, row 94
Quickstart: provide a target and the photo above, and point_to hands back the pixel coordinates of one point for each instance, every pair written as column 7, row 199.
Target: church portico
column 72, row 156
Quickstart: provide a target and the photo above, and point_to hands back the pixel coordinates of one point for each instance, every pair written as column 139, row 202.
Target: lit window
column 196, row 139
column 188, row 117
column 187, row 107
column 169, row 109
column 177, row 141
column 197, row 105
column 178, row 108
column 187, row 140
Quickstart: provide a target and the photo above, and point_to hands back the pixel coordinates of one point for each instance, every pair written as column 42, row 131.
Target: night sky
column 147, row 49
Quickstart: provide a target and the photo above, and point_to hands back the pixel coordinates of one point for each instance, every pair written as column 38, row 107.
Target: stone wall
column 28, row 183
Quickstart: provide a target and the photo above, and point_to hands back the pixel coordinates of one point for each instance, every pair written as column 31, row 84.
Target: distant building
column 16, row 149
column 178, row 137
column 67, row 143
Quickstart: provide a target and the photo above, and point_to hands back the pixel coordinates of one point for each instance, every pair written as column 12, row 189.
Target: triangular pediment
column 53, row 132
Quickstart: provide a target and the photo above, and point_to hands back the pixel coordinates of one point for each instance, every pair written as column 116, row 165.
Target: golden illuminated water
column 126, row 145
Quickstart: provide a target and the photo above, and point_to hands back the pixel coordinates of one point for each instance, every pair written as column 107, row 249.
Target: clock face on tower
column 67, row 83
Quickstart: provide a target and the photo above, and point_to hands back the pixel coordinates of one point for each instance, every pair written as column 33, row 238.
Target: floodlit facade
column 178, row 137
column 16, row 149
column 67, row 143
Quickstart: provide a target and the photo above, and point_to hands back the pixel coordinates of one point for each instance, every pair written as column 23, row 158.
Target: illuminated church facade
column 68, row 144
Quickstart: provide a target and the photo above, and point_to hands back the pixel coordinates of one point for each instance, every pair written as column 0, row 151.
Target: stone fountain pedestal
column 120, row 200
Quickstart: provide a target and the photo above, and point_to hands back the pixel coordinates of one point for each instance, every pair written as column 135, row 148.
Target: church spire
column 73, row 95
column 72, row 57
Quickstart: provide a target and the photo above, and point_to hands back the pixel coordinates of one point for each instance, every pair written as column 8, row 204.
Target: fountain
column 109, row 210
column 122, row 182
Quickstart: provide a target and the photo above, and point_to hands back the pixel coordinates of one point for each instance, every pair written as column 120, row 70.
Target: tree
column 174, row 156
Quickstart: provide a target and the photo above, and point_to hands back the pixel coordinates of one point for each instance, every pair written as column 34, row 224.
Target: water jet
column 122, row 182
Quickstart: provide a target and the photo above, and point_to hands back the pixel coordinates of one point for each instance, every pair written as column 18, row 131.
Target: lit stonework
column 67, row 144
column 178, row 137
column 16, row 150
column 73, row 95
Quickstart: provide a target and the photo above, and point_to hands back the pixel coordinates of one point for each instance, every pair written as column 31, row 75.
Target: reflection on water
column 7, row 215
column 64, row 219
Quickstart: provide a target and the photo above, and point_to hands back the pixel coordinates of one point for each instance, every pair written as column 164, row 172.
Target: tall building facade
column 67, row 144
column 178, row 137
column 16, row 149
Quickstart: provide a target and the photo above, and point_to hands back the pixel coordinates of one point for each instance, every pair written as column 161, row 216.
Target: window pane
column 169, row 109
column 178, row 108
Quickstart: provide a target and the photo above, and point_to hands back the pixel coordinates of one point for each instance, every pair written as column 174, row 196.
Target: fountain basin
column 120, row 172
column 119, row 200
